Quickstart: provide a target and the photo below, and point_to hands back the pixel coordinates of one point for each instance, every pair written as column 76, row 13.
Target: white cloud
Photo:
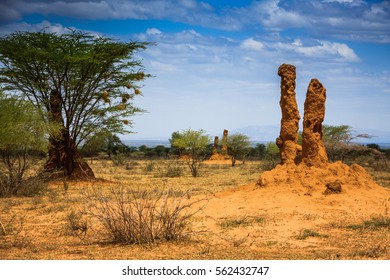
column 153, row 31
column 252, row 44
column 43, row 25
column 317, row 49
column 213, row 83
column 332, row 51
column 272, row 16
column 199, row 78
column 346, row 19
column 348, row 2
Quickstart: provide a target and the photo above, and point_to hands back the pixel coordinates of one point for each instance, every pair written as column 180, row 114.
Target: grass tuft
column 375, row 223
column 305, row 233
column 240, row 222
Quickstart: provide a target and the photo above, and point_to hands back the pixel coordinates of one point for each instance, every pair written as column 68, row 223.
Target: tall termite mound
column 215, row 146
column 222, row 154
column 64, row 158
column 313, row 149
column 306, row 169
column 224, row 142
column 289, row 125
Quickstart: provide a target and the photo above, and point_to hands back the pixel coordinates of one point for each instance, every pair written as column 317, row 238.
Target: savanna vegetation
column 89, row 196
column 80, row 83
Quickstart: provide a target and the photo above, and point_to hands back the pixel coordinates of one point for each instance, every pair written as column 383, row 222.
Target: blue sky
column 215, row 62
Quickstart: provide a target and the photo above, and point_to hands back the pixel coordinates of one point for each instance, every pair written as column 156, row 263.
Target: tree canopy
column 82, row 82
column 95, row 75
column 193, row 144
column 238, row 146
column 338, row 138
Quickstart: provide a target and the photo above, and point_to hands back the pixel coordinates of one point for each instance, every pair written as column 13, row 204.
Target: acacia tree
column 338, row 138
column 193, row 144
column 238, row 146
column 83, row 83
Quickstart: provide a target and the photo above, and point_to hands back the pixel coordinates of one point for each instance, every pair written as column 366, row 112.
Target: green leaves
column 192, row 144
column 82, row 67
column 192, row 141
column 21, row 127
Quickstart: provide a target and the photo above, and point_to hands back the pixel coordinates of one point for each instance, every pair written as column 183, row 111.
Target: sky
column 215, row 62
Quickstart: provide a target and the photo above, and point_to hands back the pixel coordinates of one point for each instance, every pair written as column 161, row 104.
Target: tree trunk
column 66, row 161
column 64, row 158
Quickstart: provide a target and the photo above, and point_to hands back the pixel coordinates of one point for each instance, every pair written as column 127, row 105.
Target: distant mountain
column 148, row 143
column 377, row 136
column 268, row 133
column 264, row 133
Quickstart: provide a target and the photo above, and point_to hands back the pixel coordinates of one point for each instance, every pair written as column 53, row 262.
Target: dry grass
column 233, row 225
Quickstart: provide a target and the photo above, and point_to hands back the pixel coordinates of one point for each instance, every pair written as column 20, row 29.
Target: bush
column 26, row 187
column 132, row 165
column 149, row 167
column 118, row 159
column 271, row 158
column 76, row 224
column 2, row 227
column 171, row 167
column 139, row 217
column 193, row 145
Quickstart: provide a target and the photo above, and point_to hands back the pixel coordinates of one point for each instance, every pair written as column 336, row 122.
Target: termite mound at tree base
column 315, row 180
column 58, row 168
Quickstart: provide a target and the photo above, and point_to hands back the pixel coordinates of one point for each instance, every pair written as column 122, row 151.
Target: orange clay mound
column 222, row 161
column 222, row 156
column 219, row 157
column 306, row 168
column 332, row 178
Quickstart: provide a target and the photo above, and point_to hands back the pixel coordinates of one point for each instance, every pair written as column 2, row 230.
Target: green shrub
column 118, row 159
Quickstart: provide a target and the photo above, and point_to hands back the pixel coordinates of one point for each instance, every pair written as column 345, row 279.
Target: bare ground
column 236, row 221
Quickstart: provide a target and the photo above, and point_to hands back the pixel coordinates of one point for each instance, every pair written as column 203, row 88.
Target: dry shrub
column 76, row 224
column 13, row 224
column 132, row 165
column 269, row 162
column 172, row 167
column 2, row 227
column 25, row 187
column 139, row 217
column 149, row 167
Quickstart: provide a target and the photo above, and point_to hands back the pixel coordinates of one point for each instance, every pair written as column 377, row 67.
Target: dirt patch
column 238, row 220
